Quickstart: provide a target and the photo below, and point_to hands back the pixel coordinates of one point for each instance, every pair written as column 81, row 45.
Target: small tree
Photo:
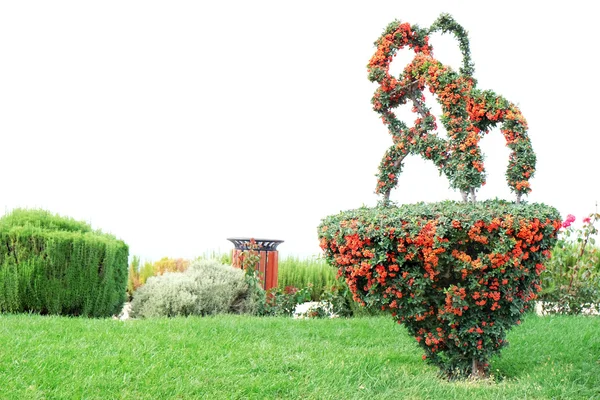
column 133, row 277
column 146, row 272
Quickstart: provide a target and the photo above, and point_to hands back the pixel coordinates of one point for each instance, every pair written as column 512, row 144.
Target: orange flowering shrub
column 468, row 113
column 457, row 275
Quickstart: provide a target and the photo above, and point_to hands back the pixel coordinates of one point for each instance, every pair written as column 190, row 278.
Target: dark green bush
column 55, row 265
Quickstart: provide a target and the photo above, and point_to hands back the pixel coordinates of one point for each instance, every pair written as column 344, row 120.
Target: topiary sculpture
column 458, row 275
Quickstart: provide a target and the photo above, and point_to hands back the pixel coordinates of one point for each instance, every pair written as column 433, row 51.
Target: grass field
column 242, row 357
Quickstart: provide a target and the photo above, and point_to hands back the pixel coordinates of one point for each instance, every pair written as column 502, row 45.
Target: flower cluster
column 570, row 219
column 571, row 281
column 457, row 275
column 468, row 113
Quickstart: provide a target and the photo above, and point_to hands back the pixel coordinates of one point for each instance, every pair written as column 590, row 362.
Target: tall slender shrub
column 301, row 273
column 133, row 276
column 55, row 265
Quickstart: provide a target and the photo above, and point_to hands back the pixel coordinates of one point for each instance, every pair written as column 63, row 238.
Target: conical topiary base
column 457, row 275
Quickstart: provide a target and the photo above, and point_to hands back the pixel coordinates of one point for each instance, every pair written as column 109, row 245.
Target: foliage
column 468, row 113
column 571, row 281
column 138, row 276
column 223, row 258
column 248, row 261
column 301, row 273
column 315, row 309
column 280, row 302
column 146, row 272
column 283, row 301
column 167, row 264
column 458, row 275
column 342, row 301
column 315, row 275
column 54, row 265
column 205, row 288
column 133, row 276
column 44, row 220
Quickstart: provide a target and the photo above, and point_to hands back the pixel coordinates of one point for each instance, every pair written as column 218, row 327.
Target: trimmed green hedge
column 55, row 265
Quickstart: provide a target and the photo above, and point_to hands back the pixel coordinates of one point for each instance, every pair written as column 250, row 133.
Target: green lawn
column 241, row 357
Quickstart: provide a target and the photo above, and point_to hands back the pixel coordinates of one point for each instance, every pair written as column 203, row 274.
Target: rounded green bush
column 206, row 287
column 55, row 265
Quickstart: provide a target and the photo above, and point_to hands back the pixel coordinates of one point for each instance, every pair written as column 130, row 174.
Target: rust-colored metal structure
column 269, row 258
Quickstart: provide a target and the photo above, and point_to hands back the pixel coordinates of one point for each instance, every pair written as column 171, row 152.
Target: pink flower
column 586, row 220
column 570, row 219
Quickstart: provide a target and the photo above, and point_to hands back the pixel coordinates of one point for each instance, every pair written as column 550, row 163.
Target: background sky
column 175, row 125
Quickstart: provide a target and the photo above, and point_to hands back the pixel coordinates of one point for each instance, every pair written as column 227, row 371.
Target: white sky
column 177, row 124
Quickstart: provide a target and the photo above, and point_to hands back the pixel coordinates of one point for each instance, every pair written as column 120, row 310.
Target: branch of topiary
column 386, row 195
column 409, row 85
column 417, row 103
column 478, row 369
column 465, row 195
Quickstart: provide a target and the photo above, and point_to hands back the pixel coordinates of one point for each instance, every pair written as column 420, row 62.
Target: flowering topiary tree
column 468, row 113
column 458, row 275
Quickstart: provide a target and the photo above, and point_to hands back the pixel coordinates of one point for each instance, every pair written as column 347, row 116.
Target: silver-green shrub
column 206, row 287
